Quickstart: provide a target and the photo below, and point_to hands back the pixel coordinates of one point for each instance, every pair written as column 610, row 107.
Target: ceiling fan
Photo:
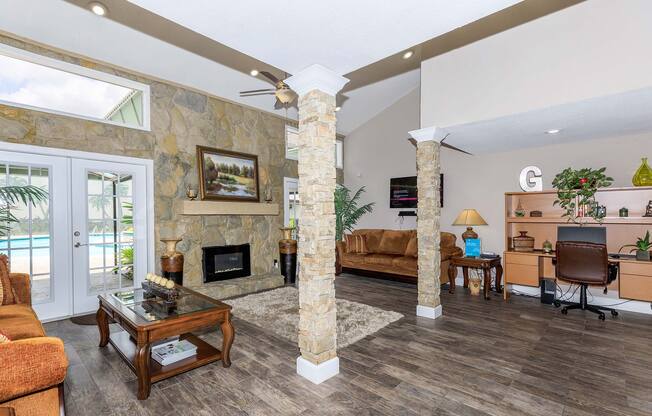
column 446, row 145
column 284, row 94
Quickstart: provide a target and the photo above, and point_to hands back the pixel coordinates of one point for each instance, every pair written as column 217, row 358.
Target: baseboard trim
column 318, row 373
column 429, row 312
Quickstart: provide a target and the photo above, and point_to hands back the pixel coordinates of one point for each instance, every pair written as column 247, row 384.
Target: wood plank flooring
column 480, row 358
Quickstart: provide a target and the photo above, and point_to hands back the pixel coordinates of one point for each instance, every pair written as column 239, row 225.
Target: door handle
column 77, row 245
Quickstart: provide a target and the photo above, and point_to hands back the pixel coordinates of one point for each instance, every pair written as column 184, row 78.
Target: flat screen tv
column 403, row 192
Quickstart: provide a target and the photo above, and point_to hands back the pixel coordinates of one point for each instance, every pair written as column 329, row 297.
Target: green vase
column 643, row 175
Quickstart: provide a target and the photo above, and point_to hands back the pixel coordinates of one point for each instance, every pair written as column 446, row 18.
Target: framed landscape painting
column 226, row 175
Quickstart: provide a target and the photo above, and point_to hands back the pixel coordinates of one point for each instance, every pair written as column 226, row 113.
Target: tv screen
column 403, row 192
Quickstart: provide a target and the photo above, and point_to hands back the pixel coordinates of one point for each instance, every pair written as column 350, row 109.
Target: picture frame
column 225, row 175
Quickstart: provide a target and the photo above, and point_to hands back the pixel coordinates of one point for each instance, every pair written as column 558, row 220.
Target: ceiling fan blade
column 253, row 91
column 449, row 146
column 278, row 105
column 446, row 145
column 269, row 76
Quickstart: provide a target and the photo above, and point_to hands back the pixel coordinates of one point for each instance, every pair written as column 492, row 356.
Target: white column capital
column 425, row 134
column 316, row 77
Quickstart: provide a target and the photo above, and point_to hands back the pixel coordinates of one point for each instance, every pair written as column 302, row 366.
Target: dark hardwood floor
column 480, row 358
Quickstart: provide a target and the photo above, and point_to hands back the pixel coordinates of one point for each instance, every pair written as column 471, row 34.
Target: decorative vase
column 523, row 242
column 172, row 261
column 287, row 248
column 519, row 211
column 643, row 175
column 642, row 255
column 474, row 284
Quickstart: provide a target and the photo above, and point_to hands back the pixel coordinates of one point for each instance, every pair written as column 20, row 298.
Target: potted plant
column 642, row 247
column 347, row 214
column 576, row 193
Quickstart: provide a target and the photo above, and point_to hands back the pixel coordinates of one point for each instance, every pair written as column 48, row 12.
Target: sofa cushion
column 412, row 248
column 405, row 262
column 19, row 322
column 394, row 242
column 353, row 258
column 379, row 259
column 372, row 237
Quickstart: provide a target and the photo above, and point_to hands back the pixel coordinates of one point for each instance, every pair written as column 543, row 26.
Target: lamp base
column 469, row 233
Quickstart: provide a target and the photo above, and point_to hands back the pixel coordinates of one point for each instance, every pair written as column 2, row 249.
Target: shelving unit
column 635, row 280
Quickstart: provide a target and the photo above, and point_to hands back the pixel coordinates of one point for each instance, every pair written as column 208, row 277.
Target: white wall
column 480, row 181
column 594, row 48
column 379, row 150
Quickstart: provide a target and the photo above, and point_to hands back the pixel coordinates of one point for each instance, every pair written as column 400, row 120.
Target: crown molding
column 425, row 134
column 316, row 77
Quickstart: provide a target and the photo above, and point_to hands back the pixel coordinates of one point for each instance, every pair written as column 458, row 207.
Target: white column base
column 428, row 312
column 318, row 373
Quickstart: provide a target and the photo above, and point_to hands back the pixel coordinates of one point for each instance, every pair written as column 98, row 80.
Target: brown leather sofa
column 33, row 365
column 394, row 253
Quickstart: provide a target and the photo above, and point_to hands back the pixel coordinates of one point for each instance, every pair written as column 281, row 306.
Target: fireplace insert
column 226, row 262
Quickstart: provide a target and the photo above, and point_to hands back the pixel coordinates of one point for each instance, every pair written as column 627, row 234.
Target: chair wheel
column 601, row 317
column 556, row 303
column 614, row 313
column 564, row 311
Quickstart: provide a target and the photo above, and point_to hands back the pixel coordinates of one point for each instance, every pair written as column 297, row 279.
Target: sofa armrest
column 32, row 364
column 21, row 284
column 341, row 248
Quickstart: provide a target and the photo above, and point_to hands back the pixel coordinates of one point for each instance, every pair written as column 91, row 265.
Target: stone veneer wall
column 180, row 120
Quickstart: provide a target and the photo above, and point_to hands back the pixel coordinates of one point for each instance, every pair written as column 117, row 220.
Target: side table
column 476, row 263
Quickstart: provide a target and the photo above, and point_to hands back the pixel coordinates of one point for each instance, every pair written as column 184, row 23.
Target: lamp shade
column 469, row 217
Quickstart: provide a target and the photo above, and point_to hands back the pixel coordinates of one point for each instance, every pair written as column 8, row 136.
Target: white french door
column 109, row 223
column 90, row 236
column 38, row 244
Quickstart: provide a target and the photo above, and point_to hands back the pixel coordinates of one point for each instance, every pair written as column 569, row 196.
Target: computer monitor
column 596, row 235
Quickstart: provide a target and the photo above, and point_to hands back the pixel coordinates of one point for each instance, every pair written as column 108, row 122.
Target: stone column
column 428, row 216
column 317, row 87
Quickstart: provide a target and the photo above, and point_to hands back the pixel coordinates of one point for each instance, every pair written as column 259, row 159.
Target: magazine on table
column 173, row 351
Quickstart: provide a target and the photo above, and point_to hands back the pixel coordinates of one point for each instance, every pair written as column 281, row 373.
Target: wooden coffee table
column 475, row 263
column 147, row 320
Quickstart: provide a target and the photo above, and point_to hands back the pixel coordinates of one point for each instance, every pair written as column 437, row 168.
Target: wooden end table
column 475, row 263
column 147, row 320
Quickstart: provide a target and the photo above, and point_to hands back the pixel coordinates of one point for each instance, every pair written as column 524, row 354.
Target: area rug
column 278, row 311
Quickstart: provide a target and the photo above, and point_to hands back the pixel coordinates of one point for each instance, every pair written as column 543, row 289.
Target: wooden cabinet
column 522, row 268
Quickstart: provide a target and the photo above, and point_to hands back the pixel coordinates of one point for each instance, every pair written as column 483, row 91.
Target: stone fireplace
column 226, row 262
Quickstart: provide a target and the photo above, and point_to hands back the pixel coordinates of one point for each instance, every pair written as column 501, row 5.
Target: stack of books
column 171, row 352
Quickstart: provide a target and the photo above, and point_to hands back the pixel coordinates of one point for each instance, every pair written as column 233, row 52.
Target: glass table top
column 155, row 309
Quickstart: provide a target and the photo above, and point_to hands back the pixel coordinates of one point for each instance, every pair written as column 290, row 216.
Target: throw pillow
column 7, row 296
column 4, row 338
column 356, row 243
column 412, row 249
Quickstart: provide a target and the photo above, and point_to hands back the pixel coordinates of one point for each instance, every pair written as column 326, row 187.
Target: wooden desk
column 475, row 263
column 528, row 268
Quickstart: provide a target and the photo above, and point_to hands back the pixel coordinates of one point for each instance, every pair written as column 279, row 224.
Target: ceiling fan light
column 285, row 95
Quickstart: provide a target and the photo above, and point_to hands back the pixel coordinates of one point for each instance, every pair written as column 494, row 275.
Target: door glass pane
column 27, row 241
column 110, row 231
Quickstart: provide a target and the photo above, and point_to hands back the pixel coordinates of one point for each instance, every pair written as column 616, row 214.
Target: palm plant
column 347, row 210
column 10, row 196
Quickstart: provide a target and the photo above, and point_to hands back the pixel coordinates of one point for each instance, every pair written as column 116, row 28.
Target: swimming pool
column 98, row 244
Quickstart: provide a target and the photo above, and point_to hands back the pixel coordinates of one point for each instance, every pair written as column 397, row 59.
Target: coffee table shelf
column 126, row 347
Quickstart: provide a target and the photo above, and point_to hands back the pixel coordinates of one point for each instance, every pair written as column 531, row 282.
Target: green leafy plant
column 10, row 196
column 347, row 210
column 576, row 191
column 642, row 244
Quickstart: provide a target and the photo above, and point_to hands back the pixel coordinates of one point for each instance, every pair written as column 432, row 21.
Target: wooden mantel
column 228, row 208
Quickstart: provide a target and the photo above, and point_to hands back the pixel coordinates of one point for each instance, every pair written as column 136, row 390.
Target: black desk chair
column 585, row 264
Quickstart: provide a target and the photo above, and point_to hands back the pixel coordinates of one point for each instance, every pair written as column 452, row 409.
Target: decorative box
column 168, row 295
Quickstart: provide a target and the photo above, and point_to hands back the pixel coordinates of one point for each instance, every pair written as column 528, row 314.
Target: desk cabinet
column 521, row 269
column 635, row 280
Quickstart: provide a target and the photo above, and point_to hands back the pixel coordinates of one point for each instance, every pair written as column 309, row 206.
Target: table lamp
column 469, row 217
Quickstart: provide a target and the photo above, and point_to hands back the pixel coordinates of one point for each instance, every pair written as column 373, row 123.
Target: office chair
column 585, row 264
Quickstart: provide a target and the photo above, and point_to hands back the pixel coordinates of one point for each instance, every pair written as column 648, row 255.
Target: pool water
column 41, row 244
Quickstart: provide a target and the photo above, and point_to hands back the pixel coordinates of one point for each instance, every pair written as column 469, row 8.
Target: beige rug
column 278, row 311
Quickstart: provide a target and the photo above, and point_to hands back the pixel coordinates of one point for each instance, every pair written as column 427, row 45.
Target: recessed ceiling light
column 338, row 108
column 553, row 131
column 408, row 54
column 254, row 72
column 97, row 8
